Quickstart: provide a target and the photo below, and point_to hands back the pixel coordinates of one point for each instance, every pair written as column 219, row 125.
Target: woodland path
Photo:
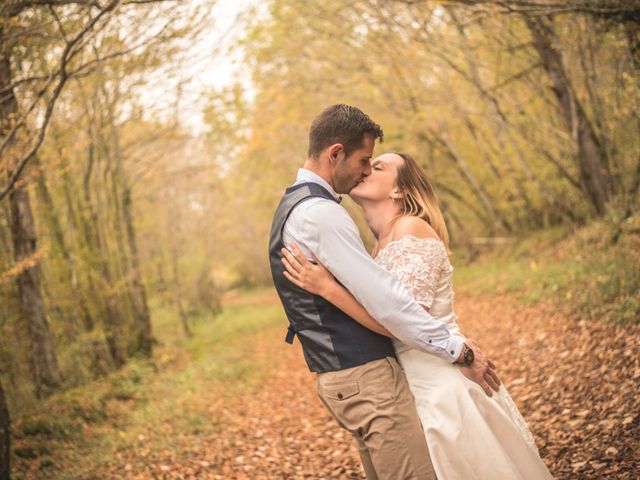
column 576, row 383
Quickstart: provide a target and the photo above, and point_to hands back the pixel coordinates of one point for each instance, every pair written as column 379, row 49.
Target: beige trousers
column 373, row 402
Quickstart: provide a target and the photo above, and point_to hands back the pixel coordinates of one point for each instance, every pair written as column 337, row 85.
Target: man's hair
column 341, row 124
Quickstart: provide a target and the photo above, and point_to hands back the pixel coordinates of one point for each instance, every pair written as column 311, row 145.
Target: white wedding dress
column 470, row 435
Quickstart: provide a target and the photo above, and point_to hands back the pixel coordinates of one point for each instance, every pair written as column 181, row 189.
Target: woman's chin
column 355, row 194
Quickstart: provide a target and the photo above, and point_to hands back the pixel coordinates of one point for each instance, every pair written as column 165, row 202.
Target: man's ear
column 336, row 152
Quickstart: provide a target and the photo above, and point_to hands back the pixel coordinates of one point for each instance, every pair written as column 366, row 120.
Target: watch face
column 468, row 356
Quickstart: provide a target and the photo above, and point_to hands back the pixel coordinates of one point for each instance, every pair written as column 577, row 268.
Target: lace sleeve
column 418, row 263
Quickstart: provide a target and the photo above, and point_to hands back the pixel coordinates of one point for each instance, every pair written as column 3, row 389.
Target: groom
column 358, row 378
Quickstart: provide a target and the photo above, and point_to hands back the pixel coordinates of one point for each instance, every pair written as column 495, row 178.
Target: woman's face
column 382, row 182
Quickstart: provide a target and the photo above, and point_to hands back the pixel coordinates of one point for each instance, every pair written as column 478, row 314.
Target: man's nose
column 367, row 170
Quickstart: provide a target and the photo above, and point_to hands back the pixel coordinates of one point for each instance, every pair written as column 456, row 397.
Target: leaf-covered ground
column 576, row 383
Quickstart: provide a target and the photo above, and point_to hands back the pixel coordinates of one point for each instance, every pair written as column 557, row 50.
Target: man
column 358, row 377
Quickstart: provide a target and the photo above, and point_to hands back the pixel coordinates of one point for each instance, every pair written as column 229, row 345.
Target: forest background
column 128, row 192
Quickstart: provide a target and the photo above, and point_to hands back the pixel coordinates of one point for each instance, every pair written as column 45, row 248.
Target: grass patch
column 594, row 270
column 46, row 426
column 148, row 404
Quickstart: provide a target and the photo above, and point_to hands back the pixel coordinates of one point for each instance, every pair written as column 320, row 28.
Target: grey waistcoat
column 331, row 340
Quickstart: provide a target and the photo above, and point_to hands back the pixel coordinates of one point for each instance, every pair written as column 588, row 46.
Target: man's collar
column 305, row 175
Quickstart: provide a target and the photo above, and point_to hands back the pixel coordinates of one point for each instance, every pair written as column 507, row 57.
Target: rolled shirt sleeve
column 326, row 229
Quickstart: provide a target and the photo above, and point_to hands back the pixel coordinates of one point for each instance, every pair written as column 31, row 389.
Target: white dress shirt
column 324, row 228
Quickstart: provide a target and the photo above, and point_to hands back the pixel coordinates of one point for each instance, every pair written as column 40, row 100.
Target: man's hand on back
column 482, row 370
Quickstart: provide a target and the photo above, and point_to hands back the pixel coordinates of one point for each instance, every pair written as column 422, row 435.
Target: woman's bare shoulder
column 410, row 225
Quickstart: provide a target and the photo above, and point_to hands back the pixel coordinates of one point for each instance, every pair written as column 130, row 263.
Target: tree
column 45, row 370
column 591, row 158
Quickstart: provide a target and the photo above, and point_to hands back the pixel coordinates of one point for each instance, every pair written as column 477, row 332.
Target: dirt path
column 576, row 383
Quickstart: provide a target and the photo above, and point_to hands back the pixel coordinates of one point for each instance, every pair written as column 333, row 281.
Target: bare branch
column 21, row 122
column 63, row 76
column 14, row 8
column 626, row 9
column 58, row 22
column 41, row 134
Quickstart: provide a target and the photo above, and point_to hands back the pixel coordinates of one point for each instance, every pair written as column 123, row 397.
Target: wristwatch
column 467, row 356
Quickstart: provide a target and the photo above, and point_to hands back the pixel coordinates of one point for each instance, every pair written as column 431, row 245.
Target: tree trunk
column 5, row 437
column 123, row 215
column 633, row 41
column 79, row 311
column 112, row 316
column 176, row 292
column 51, row 212
column 140, row 305
column 591, row 158
column 44, row 364
column 175, row 288
column 635, row 186
column 72, row 215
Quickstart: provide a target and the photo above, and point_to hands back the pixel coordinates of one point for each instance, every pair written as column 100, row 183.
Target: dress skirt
column 470, row 435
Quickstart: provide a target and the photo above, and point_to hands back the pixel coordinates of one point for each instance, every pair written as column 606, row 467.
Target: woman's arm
column 316, row 279
column 341, row 298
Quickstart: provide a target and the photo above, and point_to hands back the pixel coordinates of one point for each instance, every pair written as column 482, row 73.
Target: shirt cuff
column 454, row 347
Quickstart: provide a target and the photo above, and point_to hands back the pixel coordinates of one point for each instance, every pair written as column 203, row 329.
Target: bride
column 470, row 435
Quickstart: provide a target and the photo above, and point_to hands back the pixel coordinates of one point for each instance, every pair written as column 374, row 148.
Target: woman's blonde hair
column 419, row 198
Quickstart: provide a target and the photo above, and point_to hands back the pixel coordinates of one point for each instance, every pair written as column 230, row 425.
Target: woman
column 470, row 435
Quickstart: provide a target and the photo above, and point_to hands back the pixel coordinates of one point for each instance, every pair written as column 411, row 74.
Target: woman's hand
column 312, row 277
column 482, row 370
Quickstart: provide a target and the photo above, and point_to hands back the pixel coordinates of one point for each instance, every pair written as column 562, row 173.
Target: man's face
column 350, row 171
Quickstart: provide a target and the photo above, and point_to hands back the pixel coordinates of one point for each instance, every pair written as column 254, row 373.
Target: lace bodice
column 423, row 267
column 418, row 263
